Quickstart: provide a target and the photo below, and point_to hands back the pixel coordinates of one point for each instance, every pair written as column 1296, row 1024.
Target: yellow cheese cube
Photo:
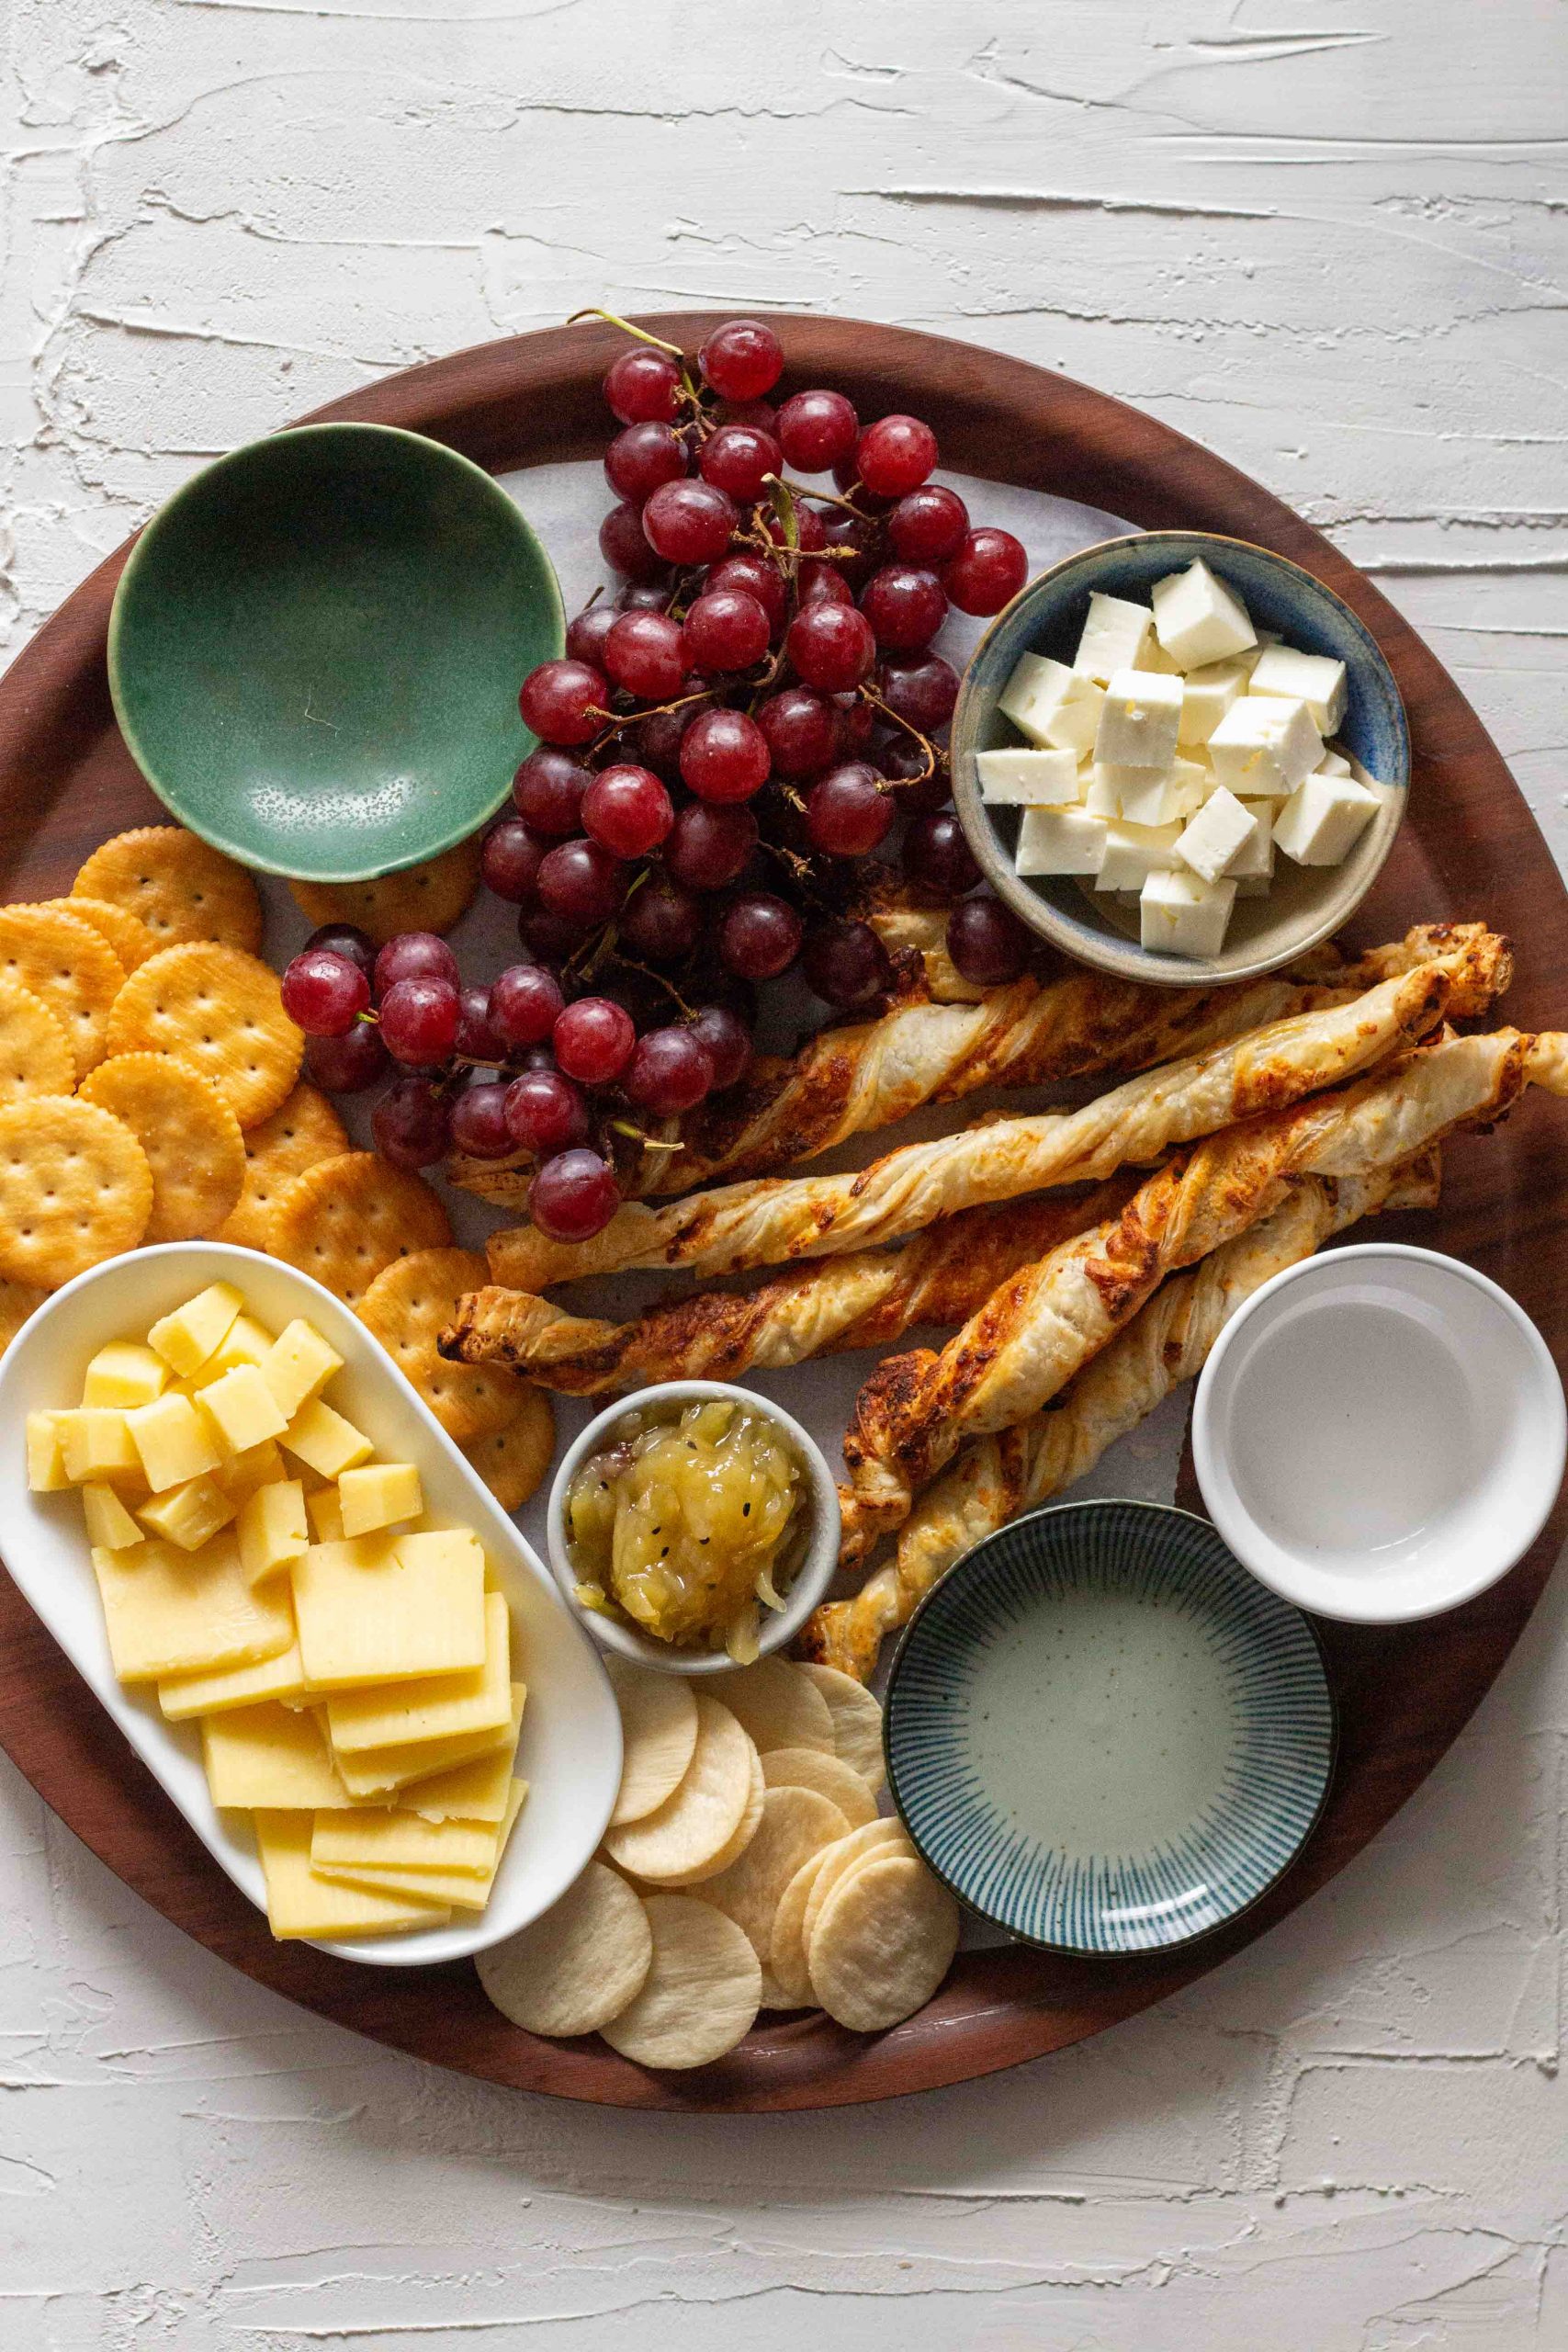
column 300, row 1903
column 379, row 1495
column 259, row 1465
column 269, row 1755
column 431, row 1706
column 369, row 1612
column 380, row 1772
column 188, row 1515
column 46, row 1473
column 272, row 1528
column 325, row 1442
column 241, row 1409
column 459, row 1888
column 247, row 1342
column 183, row 1696
column 170, row 1611
column 172, row 1440
column 124, row 1373
column 96, row 1441
column 326, row 1514
column 108, row 1521
column 299, row 1365
column 186, row 1337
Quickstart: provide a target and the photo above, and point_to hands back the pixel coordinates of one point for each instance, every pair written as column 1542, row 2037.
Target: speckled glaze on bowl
column 316, row 648
column 1306, row 903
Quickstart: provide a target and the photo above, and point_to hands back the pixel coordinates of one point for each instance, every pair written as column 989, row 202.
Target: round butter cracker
column 190, row 1136
column 66, row 964
column 300, row 1134
column 75, row 1188
column 421, row 897
column 125, row 932
column 219, row 1009
column 513, row 1461
column 35, row 1052
column 346, row 1218
column 178, row 885
column 408, row 1306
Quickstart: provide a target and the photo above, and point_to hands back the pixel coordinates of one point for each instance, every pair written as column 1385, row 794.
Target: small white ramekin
column 812, row 1577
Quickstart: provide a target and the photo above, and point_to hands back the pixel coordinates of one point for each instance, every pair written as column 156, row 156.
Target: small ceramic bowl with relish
column 694, row 1527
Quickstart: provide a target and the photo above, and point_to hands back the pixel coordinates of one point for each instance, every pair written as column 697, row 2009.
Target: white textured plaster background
column 1329, row 239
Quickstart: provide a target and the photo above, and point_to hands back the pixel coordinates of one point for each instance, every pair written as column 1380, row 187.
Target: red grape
column 662, row 921
column 922, row 691
column 688, row 522
column 831, row 646
column 904, row 606
column 594, row 1039
column 573, row 1196
column 415, row 955
column 548, row 789
column 347, row 1065
column 823, row 583
column 626, row 809
column 585, row 635
column 866, row 540
column 550, row 938
column 937, row 855
column 737, row 459
column 659, row 740
column 510, row 859
column 758, row 935
column 476, row 1040
column 800, row 729
column 854, row 723
column 411, row 1125
column 643, row 654
column 849, row 811
column 904, row 762
column 894, row 455
column 652, row 596
column 525, row 1005
column 545, row 1111
column 624, row 547
column 729, row 1044
column 724, row 629
column 988, row 571
column 724, row 755
column 345, row 939
column 479, row 1121
column 988, row 943
column 810, row 532
column 761, row 414
column 642, row 457
column 581, row 881
column 324, row 993
column 742, row 360
column 815, row 429
column 643, row 386
column 929, row 525
column 669, row 1071
column 709, row 845
column 846, row 965
column 563, row 701
column 419, row 1022
column 758, row 578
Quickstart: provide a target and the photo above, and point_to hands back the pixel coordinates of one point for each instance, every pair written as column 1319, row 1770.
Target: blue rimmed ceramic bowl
column 1103, row 1734
column 1306, row 903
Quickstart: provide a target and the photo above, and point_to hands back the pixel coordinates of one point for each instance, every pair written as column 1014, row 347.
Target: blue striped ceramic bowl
column 1103, row 1734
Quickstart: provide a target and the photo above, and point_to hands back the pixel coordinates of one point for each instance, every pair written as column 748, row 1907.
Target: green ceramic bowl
column 316, row 645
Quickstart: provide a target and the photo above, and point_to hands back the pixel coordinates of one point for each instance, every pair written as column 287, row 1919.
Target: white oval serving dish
column 570, row 1748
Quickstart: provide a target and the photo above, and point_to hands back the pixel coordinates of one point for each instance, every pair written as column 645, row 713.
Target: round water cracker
column 220, row 1011
column 808, row 1767
column 408, row 1306
column 884, row 1835
column 176, row 884
column 777, row 1704
column 18, row 1301
column 35, row 1052
column 696, row 1822
column 125, row 932
column 75, row 1188
column 883, row 1944
column 422, row 898
column 857, row 1722
column 191, row 1138
column 701, row 1992
column 775, row 1998
column 786, row 1948
column 659, row 1729
column 300, row 1134
column 513, row 1461
column 736, row 1845
column 795, row 1824
column 346, row 1218
column 580, row 1965
column 64, row 963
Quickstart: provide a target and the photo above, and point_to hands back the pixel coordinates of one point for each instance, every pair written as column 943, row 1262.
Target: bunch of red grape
column 747, row 716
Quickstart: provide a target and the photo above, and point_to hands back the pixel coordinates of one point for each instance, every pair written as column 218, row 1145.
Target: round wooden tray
column 1471, row 848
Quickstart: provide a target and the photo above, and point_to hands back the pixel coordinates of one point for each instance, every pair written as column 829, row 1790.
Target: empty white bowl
column 1380, row 1434
column 569, row 1752
column 812, row 1578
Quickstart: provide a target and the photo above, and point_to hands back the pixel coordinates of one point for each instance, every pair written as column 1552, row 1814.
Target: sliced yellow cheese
column 272, row 1531
column 96, row 1441
column 189, row 1515
column 170, row 1611
column 172, row 1440
column 378, row 1771
column 269, row 1755
column 242, row 1409
column 456, row 1887
column 437, row 1706
column 325, row 1442
column 473, row 1792
column 108, row 1521
column 186, row 1337
column 377, row 1609
column 301, row 1903
column 183, row 1696
column 259, row 1465
column 47, row 1474
column 124, row 1373
column 298, row 1365
column 247, row 1342
column 325, row 1515
column 387, row 1838
column 379, row 1495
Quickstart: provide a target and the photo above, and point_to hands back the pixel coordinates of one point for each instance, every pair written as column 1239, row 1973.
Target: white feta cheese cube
column 1018, row 779
column 1135, row 852
column 1139, row 720
column 1181, row 914
column 1323, row 819
column 1334, row 764
column 1263, row 746
column 1311, row 678
column 1219, row 832
column 1114, row 638
column 1197, row 619
column 1145, row 799
column 1207, row 694
column 1254, row 862
column 1059, row 841
column 1052, row 705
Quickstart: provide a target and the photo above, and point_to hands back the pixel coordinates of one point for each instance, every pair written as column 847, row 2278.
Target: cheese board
column 1468, row 849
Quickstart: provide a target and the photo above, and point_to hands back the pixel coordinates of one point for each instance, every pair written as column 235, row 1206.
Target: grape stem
column 826, row 497
column 629, row 963
column 648, row 1143
column 640, row 335
column 869, row 694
